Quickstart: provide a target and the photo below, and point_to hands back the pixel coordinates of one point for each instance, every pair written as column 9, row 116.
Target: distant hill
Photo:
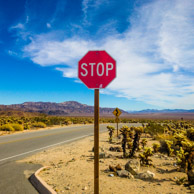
column 73, row 108
column 69, row 108
column 147, row 111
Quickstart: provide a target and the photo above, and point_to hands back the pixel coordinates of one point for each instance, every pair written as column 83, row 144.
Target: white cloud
column 154, row 56
column 19, row 26
column 48, row 25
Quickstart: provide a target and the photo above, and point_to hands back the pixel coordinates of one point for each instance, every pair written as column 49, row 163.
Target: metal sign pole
column 96, row 141
column 117, row 129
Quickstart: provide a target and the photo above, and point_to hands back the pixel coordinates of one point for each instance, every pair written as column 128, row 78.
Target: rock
column 85, row 188
column 112, row 168
column 106, row 170
column 111, row 175
column 133, row 166
column 146, row 175
column 102, row 155
column 100, row 148
column 118, row 167
column 116, row 149
column 67, row 188
column 124, row 173
column 109, row 156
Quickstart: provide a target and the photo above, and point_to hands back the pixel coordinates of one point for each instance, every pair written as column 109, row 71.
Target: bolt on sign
column 96, row 70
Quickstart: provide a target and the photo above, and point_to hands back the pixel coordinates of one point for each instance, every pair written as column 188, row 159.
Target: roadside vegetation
column 20, row 121
column 173, row 139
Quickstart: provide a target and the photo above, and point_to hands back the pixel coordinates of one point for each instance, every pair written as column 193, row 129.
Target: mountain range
column 73, row 108
column 69, row 108
column 147, row 111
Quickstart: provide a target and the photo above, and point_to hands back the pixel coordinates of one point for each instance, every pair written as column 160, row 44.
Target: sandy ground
column 71, row 170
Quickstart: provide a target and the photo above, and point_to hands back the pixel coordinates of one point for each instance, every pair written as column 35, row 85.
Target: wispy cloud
column 154, row 55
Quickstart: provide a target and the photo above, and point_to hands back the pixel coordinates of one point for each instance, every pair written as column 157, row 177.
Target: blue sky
column 152, row 41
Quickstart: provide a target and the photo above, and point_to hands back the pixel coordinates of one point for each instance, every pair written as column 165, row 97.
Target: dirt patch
column 72, row 170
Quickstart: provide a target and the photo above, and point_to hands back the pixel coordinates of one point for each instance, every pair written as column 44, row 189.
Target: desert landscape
column 70, row 168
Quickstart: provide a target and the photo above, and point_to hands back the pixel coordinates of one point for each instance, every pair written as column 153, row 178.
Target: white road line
column 44, row 147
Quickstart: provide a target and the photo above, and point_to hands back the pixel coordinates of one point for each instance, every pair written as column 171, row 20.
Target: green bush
column 38, row 125
column 17, row 127
column 6, row 127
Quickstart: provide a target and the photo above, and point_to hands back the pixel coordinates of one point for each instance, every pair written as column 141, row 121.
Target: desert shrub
column 164, row 137
column 26, row 126
column 17, row 127
column 156, row 147
column 6, row 127
column 68, row 122
column 166, row 147
column 154, row 129
column 39, row 125
column 144, row 157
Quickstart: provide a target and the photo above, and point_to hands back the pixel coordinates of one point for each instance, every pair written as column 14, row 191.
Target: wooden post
column 96, row 141
column 117, row 129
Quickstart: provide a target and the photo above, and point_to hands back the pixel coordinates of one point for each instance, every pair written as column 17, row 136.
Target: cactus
column 179, row 138
column 156, row 147
column 144, row 157
column 125, row 130
column 169, row 149
column 181, row 158
column 111, row 130
column 138, row 131
column 144, row 142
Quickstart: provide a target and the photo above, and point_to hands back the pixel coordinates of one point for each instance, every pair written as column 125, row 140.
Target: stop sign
column 97, row 69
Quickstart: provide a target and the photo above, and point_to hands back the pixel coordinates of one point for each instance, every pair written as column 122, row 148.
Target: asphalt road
column 17, row 146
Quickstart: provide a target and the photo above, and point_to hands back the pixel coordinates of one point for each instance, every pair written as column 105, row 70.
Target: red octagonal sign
column 97, row 69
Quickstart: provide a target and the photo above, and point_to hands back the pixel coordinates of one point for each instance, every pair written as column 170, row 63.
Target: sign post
column 96, row 70
column 117, row 113
column 96, row 141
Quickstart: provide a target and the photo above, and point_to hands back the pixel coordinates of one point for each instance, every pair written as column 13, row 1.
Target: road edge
column 39, row 184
